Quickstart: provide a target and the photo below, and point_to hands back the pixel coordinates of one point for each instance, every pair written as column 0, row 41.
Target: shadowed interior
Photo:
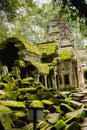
column 9, row 55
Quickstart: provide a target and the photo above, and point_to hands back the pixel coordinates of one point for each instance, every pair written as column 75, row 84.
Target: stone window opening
column 66, row 79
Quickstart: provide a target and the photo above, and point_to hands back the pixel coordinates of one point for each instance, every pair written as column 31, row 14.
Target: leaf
column 6, row 120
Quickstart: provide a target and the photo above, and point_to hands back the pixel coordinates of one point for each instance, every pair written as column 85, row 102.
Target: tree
column 74, row 12
column 14, row 15
column 13, row 8
column 26, row 18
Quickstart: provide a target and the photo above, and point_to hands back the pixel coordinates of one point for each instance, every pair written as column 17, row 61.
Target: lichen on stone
column 66, row 54
column 47, row 48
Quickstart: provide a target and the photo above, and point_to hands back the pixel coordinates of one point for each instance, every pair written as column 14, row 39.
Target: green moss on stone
column 73, row 126
column 47, row 48
column 4, row 109
column 66, row 54
column 30, row 90
column 47, row 102
column 20, row 114
column 36, row 103
column 59, row 125
column 42, row 67
column 31, row 97
column 11, row 103
column 30, row 47
column 6, row 121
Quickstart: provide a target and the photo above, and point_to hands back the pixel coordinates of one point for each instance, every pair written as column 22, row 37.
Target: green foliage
column 8, row 79
column 10, row 87
column 4, row 35
column 12, row 95
column 29, row 21
column 10, row 7
column 6, row 120
column 74, row 15
column 29, row 83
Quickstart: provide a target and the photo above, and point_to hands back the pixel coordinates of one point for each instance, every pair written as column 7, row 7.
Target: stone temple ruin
column 57, row 63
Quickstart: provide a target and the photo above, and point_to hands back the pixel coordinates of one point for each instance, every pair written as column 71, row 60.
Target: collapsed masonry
column 56, row 63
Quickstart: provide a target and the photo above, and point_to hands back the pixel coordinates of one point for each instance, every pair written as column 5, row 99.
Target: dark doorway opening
column 28, row 71
column 57, row 80
column 42, row 80
column 85, row 75
column 9, row 55
column 1, row 126
column 23, row 72
column 66, row 79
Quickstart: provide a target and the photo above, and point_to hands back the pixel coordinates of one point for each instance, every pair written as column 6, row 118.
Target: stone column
column 45, row 77
column 55, row 82
column 79, row 77
column 48, row 82
column 82, row 79
column 38, row 76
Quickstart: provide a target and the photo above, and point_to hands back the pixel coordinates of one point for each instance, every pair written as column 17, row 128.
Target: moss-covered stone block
column 66, row 108
column 44, row 94
column 36, row 103
column 6, row 121
column 73, row 126
column 28, row 90
column 4, row 109
column 66, row 54
column 77, row 115
column 44, row 125
column 31, row 97
column 53, row 118
column 11, row 103
column 59, row 125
